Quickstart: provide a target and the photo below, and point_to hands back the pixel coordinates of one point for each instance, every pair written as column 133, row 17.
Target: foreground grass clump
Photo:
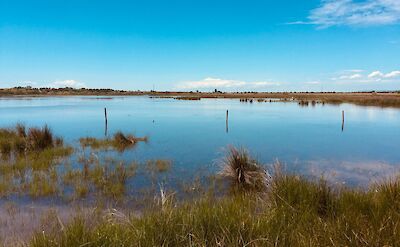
column 119, row 142
column 243, row 171
column 294, row 212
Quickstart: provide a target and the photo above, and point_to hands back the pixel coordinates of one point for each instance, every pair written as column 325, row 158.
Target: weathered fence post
column 227, row 115
column 106, row 121
column 342, row 120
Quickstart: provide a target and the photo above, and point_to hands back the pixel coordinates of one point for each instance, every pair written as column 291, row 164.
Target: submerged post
column 106, row 121
column 342, row 120
column 227, row 114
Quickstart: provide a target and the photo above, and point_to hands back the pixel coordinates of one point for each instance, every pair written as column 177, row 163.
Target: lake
column 193, row 134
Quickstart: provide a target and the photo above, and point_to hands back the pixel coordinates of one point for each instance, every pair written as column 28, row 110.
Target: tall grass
column 292, row 211
column 296, row 212
column 40, row 138
column 28, row 161
column 19, row 140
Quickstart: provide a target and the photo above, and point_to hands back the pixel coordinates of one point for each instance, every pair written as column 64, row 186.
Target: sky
column 187, row 45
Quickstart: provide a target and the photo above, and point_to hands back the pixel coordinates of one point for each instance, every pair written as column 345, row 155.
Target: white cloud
column 350, row 77
column 353, row 71
column 27, row 83
column 354, row 13
column 346, row 76
column 376, row 74
column 393, row 74
column 313, row 82
column 67, row 83
column 211, row 83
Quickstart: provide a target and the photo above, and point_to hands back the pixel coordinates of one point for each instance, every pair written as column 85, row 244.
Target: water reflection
column 352, row 173
column 193, row 134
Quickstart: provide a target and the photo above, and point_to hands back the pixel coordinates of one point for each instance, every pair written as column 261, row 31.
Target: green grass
column 289, row 211
column 294, row 212
column 28, row 161
column 241, row 206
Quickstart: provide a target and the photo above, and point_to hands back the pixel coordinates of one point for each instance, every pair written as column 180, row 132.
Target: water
column 192, row 134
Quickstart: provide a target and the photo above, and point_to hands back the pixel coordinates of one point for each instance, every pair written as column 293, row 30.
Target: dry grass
column 119, row 142
column 17, row 140
column 382, row 99
column 244, row 172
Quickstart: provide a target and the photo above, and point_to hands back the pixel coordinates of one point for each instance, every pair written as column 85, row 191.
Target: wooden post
column 227, row 115
column 106, row 121
column 342, row 120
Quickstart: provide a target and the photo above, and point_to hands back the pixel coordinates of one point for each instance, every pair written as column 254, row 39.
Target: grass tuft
column 244, row 172
column 119, row 142
column 40, row 138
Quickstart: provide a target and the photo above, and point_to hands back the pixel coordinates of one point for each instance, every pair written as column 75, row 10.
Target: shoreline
column 380, row 99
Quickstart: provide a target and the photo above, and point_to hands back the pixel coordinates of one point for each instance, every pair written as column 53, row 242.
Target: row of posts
column 226, row 121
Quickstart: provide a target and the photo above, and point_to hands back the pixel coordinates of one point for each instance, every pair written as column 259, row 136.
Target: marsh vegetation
column 36, row 163
column 382, row 99
column 245, row 203
column 119, row 142
column 288, row 211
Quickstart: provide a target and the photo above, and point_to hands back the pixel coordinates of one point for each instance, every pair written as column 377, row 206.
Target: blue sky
column 286, row 45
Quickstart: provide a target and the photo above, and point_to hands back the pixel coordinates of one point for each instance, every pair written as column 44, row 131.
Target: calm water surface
column 193, row 134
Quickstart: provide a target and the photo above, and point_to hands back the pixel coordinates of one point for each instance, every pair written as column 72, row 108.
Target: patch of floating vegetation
column 310, row 102
column 187, row 98
column 119, row 142
column 161, row 97
column 158, row 165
